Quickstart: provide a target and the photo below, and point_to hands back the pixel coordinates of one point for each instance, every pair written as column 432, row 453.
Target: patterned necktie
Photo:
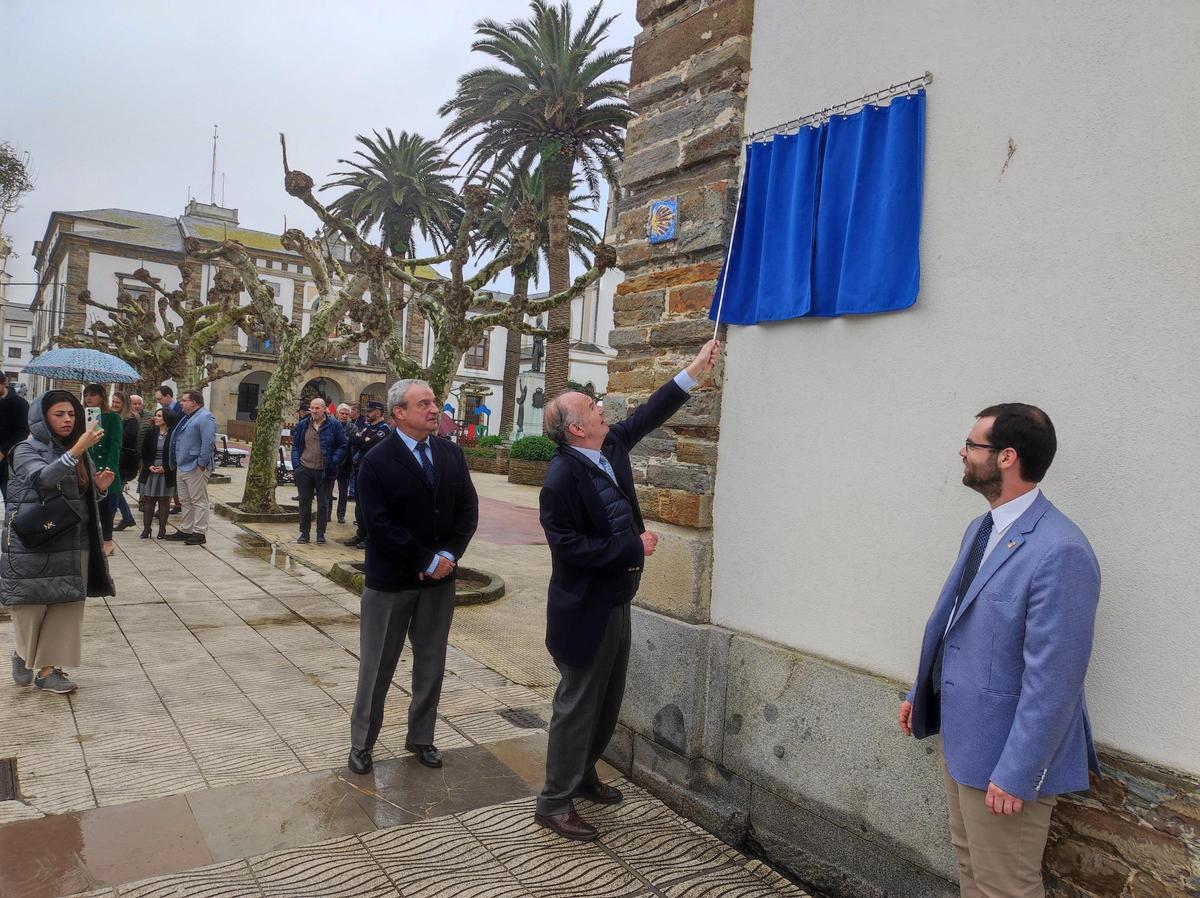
column 970, row 569
column 607, row 469
column 423, row 454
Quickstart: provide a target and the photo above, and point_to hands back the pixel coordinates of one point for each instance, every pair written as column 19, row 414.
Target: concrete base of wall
column 801, row 760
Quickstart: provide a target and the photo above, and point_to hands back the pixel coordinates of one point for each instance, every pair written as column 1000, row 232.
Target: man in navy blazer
column 420, row 511
column 1004, row 658
column 598, row 544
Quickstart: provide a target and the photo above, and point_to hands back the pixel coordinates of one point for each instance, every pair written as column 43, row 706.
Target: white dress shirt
column 1004, row 516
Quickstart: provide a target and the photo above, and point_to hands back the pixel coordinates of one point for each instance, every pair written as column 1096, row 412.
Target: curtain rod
column 894, row 90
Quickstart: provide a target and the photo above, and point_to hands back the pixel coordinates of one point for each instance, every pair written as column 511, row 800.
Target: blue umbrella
column 447, row 407
column 90, row 365
column 483, row 410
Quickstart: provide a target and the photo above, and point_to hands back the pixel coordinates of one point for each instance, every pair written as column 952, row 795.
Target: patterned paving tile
column 12, row 811
column 342, row 867
column 417, row 860
column 487, row 727
column 230, row 880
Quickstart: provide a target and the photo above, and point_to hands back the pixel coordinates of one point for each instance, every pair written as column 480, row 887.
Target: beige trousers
column 192, row 487
column 48, row 635
column 999, row 856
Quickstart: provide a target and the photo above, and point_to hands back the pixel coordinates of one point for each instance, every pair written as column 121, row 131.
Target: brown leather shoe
column 601, row 793
column 569, row 825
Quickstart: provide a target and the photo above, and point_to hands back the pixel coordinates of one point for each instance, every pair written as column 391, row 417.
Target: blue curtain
column 830, row 219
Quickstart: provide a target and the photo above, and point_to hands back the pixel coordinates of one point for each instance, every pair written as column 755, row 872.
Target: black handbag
column 43, row 522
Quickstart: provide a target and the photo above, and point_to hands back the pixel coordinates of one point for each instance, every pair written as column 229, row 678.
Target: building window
column 14, row 352
column 18, row 330
column 477, row 355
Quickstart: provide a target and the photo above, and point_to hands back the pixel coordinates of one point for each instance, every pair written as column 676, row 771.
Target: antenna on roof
column 212, row 188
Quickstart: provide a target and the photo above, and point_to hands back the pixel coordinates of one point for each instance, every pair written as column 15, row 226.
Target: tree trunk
column 259, row 494
column 512, row 363
column 558, row 362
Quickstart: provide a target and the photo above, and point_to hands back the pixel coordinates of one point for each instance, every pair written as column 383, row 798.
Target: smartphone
column 91, row 414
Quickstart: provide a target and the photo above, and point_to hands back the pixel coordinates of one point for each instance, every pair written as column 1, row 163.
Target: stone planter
column 290, row 514
column 471, row 587
column 487, row 465
column 530, row 473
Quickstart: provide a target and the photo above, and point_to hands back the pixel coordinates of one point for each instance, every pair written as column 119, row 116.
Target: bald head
column 575, row 419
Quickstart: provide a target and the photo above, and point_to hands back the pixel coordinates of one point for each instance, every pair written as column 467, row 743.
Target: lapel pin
column 1012, row 543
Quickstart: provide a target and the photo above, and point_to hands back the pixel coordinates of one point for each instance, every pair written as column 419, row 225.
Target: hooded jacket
column 52, row 573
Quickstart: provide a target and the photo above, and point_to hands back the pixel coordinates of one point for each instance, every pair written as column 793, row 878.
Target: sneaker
column 22, row 675
column 341, row 520
column 56, row 681
column 320, row 539
column 302, row 538
column 176, row 510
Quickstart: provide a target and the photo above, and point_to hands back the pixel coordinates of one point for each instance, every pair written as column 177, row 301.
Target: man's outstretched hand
column 705, row 359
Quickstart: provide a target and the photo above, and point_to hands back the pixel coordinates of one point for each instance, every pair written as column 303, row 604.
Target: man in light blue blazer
column 1004, row 658
column 193, row 442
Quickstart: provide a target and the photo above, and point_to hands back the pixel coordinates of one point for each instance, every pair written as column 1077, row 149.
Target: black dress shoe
column 194, row 539
column 123, row 525
column 352, row 541
column 360, row 760
column 569, row 825
column 426, row 754
column 178, row 535
column 600, row 793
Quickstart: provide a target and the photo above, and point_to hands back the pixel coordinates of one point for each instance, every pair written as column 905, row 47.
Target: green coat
column 107, row 453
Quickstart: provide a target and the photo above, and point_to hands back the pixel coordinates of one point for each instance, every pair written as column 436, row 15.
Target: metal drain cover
column 526, row 720
column 8, row 779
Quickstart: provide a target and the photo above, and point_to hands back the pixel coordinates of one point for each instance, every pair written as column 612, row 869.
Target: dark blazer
column 407, row 520
column 149, row 449
column 591, row 568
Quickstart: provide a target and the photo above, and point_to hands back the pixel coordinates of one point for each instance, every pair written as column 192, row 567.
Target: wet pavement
column 204, row 751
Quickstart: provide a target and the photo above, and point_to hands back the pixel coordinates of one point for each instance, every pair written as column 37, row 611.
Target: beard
column 986, row 481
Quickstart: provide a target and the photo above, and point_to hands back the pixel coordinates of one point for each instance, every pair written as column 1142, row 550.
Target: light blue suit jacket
column 193, row 440
column 1012, row 708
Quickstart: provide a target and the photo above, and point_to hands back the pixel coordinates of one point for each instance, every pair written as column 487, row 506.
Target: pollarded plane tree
column 167, row 335
column 298, row 350
column 459, row 309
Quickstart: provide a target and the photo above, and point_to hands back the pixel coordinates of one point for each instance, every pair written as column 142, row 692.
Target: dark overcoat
column 593, row 569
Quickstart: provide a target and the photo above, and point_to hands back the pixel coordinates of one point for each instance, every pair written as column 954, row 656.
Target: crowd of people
column 1000, row 672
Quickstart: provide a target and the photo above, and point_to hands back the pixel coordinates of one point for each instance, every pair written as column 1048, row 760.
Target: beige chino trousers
column 999, row 856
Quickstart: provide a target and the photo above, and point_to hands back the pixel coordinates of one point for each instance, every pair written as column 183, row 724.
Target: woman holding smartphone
column 43, row 587
column 106, row 455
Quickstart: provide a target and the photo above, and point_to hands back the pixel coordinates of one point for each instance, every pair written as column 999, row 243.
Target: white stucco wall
column 102, row 280
column 1072, row 281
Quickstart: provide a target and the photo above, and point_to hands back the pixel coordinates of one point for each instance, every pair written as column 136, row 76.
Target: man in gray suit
column 192, row 446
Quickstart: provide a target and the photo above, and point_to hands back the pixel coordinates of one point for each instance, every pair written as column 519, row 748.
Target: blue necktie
column 974, row 558
column 423, row 454
column 607, row 469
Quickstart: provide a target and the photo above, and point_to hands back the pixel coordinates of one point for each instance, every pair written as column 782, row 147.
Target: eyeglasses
column 970, row 445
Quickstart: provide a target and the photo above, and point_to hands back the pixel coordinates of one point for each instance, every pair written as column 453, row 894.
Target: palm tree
column 513, row 189
column 548, row 100
column 400, row 184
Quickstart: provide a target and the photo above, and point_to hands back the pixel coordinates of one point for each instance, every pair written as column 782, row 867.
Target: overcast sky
column 115, row 102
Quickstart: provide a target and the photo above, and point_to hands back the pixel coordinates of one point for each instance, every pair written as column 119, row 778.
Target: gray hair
column 343, row 406
column 558, row 416
column 398, row 392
